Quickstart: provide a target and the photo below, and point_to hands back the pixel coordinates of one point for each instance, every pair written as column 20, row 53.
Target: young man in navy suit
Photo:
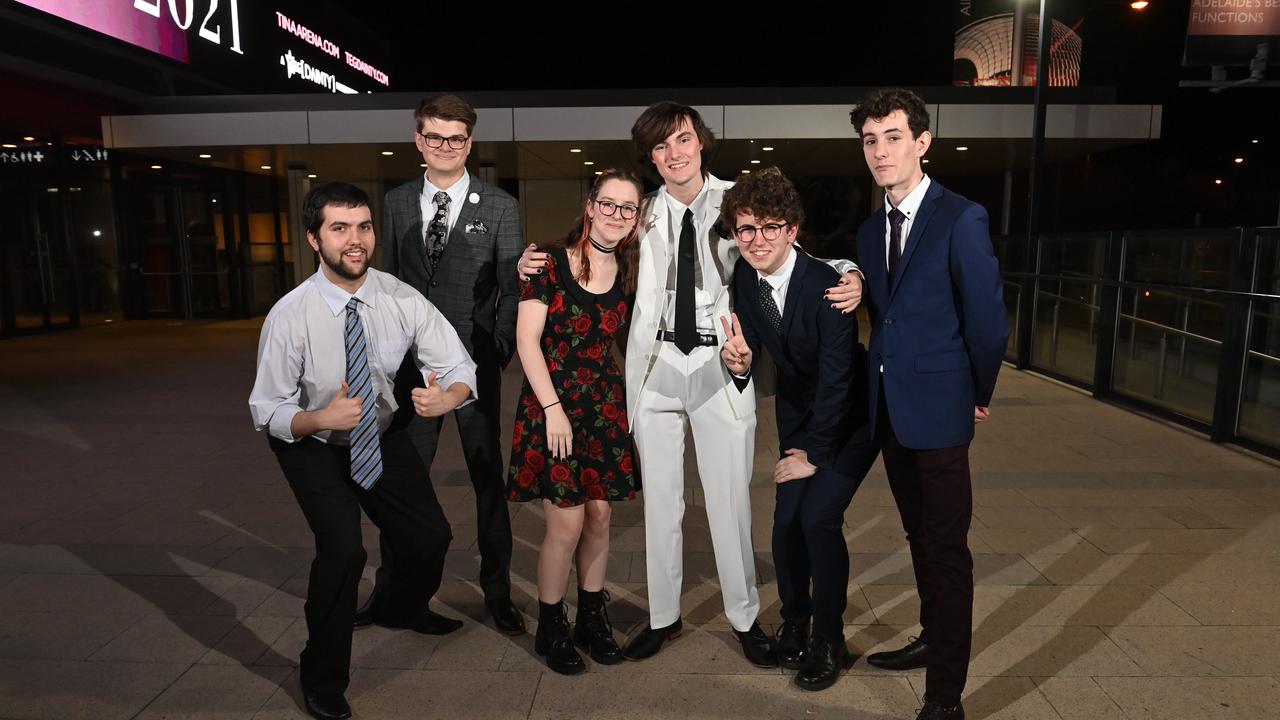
column 825, row 441
column 938, row 335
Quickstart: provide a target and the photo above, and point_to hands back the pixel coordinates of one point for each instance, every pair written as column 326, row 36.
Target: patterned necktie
column 769, row 307
column 438, row 230
column 366, row 452
column 896, row 218
column 686, row 331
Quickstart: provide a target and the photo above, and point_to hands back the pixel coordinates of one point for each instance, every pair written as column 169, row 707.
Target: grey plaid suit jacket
column 476, row 286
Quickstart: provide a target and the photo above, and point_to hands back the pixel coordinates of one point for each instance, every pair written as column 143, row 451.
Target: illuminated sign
column 1233, row 32
column 312, row 44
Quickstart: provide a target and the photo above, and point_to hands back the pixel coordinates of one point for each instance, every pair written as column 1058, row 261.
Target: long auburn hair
column 628, row 252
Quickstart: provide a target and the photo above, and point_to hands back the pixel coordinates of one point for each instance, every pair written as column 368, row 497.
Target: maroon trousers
column 935, row 500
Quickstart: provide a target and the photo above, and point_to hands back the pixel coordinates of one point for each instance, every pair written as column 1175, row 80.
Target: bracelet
column 544, row 407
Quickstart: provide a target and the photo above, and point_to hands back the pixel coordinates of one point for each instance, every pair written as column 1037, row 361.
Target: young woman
column 572, row 448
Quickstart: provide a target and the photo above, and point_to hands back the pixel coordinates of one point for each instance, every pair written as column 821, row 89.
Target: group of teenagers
column 705, row 292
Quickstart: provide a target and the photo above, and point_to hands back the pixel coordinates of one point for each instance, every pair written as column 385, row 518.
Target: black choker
column 602, row 248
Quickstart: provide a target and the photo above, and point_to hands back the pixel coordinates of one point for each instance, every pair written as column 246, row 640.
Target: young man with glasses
column 456, row 239
column 825, row 444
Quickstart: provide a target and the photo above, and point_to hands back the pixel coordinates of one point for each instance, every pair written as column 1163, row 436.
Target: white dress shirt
column 780, row 280
column 457, row 195
column 909, row 206
column 703, row 298
column 302, row 358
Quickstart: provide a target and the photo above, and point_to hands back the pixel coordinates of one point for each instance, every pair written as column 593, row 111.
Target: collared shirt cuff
column 845, row 266
column 460, row 374
column 281, row 423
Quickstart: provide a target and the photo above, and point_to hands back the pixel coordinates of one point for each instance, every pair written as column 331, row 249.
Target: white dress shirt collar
column 911, row 203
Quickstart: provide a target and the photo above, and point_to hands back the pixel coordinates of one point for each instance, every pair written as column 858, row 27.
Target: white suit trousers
column 692, row 387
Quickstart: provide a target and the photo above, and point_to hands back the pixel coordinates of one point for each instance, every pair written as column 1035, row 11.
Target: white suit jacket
column 651, row 293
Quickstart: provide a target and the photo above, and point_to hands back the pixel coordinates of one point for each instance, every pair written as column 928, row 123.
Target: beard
column 335, row 264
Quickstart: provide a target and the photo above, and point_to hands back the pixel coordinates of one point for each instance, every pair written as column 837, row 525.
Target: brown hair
column 628, row 252
column 446, row 107
column 766, row 194
column 880, row 104
column 659, row 121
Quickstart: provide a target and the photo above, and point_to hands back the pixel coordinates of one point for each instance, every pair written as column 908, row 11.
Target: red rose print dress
column 576, row 342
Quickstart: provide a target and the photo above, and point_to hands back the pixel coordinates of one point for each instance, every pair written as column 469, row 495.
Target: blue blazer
column 821, row 402
column 939, row 330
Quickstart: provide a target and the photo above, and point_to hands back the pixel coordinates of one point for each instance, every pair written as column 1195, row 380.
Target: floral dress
column 576, row 342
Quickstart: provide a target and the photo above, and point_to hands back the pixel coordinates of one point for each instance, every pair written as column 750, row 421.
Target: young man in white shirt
column 327, row 360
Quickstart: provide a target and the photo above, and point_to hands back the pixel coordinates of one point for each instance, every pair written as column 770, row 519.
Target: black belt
column 670, row 336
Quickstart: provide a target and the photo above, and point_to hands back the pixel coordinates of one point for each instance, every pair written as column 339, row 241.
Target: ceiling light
column 205, row 156
column 767, row 148
column 388, row 152
column 962, row 148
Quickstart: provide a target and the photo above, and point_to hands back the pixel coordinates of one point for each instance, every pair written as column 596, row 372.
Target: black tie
column 686, row 332
column 896, row 218
column 770, row 307
column 438, row 230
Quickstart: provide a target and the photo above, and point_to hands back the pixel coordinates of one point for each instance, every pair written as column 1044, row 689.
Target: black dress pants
column 809, row 545
column 406, row 511
column 479, row 428
column 934, row 496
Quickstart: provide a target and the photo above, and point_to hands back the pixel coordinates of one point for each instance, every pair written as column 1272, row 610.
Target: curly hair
column 880, row 104
column 766, row 194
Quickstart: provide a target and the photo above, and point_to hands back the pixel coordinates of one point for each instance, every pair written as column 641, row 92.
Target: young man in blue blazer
column 938, row 335
column 825, row 443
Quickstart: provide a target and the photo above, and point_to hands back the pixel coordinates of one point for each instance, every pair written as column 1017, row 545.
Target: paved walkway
column 153, row 564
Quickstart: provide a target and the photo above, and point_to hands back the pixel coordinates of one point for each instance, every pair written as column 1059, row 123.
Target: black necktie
column 770, row 307
column 896, row 218
column 686, row 332
column 438, row 230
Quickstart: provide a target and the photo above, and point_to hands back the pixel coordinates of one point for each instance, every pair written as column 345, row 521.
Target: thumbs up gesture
column 736, row 354
column 432, row 400
column 343, row 412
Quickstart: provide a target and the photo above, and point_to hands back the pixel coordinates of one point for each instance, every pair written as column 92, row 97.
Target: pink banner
column 124, row 20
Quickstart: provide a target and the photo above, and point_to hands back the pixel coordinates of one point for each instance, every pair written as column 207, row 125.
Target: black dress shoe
column 792, row 639
column 914, row 655
column 822, row 664
column 756, row 646
column 649, row 641
column 937, row 711
column 433, row 623
column 326, row 708
column 505, row 615
column 364, row 613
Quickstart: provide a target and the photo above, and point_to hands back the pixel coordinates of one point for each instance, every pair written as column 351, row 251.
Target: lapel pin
column 474, row 198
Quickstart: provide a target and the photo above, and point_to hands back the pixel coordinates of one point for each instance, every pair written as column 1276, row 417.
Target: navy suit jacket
column 821, row 402
column 939, row 329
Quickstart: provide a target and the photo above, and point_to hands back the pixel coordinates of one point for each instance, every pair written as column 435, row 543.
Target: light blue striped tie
column 366, row 454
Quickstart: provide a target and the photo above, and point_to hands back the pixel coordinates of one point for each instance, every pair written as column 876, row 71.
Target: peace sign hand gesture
column 736, row 354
